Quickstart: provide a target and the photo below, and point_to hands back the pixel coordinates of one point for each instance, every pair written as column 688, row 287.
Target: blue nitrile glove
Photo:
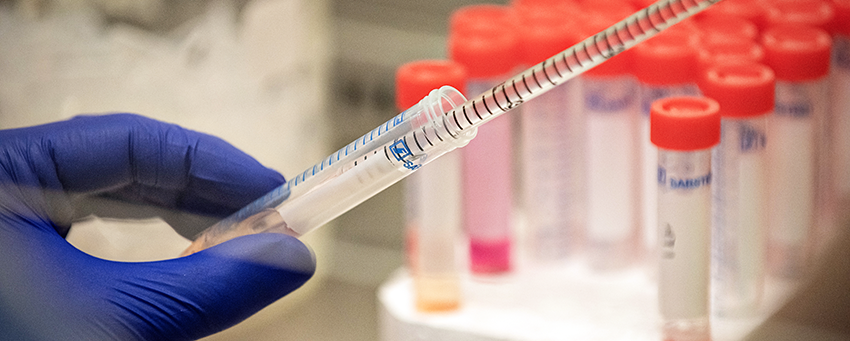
column 49, row 290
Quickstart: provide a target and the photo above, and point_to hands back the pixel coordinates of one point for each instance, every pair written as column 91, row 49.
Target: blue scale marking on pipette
column 341, row 153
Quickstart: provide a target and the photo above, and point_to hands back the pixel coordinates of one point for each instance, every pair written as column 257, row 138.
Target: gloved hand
column 49, row 290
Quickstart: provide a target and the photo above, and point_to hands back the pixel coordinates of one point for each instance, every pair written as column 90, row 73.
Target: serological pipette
column 441, row 122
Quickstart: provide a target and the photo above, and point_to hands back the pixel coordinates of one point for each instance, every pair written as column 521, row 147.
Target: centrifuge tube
column 799, row 56
column 551, row 147
column 665, row 66
column 745, row 92
column 433, row 198
column 684, row 129
column 484, row 40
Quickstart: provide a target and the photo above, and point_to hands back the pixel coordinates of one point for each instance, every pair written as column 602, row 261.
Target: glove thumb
column 69, row 295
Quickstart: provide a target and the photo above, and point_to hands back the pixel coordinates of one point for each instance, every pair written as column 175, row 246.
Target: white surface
column 563, row 305
column 569, row 303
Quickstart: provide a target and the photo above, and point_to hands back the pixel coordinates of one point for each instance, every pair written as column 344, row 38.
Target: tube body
column 552, row 156
column 610, row 104
column 436, row 198
column 684, row 221
column 488, row 193
column 739, row 219
column 793, row 154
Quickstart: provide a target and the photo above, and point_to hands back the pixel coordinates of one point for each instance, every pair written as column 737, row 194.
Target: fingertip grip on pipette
column 266, row 221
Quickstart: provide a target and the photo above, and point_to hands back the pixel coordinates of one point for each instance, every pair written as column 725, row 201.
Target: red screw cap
column 715, row 27
column 742, row 89
column 817, row 13
column 483, row 38
column 729, row 51
column 796, row 52
column 668, row 58
column 684, row 123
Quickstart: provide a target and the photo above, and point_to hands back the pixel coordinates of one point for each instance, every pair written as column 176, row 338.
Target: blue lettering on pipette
column 402, row 153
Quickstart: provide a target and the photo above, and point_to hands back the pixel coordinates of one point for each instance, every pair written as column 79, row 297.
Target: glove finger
column 139, row 159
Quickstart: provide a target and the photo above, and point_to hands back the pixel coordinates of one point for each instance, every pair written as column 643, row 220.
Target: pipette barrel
column 394, row 150
column 458, row 123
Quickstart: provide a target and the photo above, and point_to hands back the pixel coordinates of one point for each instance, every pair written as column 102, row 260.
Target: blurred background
column 288, row 81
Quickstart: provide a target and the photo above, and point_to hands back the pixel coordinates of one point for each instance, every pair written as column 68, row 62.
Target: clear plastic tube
column 433, row 199
column 552, row 175
column 745, row 92
column 684, row 218
column 665, row 67
column 407, row 141
column 684, row 129
column 436, row 267
column 798, row 179
column 488, row 194
column 739, row 216
column 793, row 174
column 610, row 104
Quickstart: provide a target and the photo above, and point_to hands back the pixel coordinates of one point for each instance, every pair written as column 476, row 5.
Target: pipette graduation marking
column 410, row 140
